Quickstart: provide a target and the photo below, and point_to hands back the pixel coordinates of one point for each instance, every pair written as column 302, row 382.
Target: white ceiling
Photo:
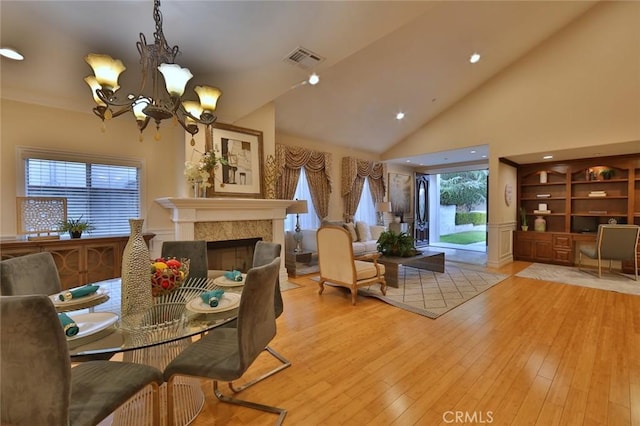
column 381, row 57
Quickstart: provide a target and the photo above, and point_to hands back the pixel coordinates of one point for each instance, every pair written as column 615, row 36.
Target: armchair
column 339, row 266
column 614, row 242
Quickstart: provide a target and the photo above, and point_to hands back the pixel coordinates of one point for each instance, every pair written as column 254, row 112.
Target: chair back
column 36, row 372
column 618, row 242
column 263, row 253
column 35, row 273
column 256, row 314
column 195, row 251
column 335, row 254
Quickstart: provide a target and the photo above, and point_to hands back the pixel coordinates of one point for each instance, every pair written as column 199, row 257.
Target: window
column 366, row 211
column 105, row 192
column 308, row 220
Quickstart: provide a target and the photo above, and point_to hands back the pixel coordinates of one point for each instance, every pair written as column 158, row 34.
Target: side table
column 300, row 262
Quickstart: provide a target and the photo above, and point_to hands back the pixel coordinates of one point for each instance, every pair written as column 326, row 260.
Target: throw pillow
column 349, row 226
column 364, row 234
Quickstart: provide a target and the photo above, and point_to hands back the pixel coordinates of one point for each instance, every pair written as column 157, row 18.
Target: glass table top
column 178, row 315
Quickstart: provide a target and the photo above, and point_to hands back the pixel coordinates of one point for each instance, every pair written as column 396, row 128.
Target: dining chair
column 613, row 242
column 39, row 386
column 264, row 253
column 225, row 354
column 195, row 251
column 34, row 273
column 339, row 266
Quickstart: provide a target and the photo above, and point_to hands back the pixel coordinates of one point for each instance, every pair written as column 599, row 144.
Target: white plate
column 223, row 281
column 78, row 300
column 229, row 301
column 92, row 323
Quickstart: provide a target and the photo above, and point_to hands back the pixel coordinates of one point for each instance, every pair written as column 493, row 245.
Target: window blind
column 106, row 195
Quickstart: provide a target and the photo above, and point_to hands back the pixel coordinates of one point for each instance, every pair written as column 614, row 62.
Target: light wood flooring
column 523, row 352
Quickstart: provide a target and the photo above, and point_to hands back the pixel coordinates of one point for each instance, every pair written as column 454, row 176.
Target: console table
column 79, row 260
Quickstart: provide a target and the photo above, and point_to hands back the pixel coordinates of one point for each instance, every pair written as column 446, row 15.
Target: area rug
column 585, row 278
column 432, row 294
column 287, row 285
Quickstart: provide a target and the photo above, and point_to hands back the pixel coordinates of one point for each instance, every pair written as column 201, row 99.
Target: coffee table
column 427, row 259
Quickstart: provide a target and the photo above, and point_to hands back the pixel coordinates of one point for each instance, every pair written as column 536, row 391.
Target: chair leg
column 354, row 294
column 321, row 284
column 285, row 364
column 268, row 408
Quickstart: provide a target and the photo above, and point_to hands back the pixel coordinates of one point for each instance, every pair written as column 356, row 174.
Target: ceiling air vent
column 303, row 58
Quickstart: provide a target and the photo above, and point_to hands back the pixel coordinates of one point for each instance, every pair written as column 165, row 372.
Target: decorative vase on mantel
column 136, row 298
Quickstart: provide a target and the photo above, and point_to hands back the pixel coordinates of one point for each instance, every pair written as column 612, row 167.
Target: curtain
column 317, row 166
column 354, row 172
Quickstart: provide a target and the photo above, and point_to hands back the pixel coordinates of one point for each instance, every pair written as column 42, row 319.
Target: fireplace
column 223, row 219
column 231, row 255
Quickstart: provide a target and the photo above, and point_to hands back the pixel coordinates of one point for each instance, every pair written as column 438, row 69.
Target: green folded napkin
column 78, row 292
column 233, row 275
column 212, row 298
column 68, row 325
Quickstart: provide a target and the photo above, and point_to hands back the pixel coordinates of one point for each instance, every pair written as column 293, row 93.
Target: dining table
column 153, row 337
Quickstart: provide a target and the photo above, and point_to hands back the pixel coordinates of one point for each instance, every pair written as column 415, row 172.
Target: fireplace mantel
column 186, row 212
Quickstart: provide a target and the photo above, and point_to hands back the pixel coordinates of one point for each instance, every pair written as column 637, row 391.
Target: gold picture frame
column 242, row 176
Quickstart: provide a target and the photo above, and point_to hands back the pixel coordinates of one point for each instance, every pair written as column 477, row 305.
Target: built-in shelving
column 614, row 185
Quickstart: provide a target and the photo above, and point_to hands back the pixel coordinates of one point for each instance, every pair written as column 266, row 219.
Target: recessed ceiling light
column 473, row 151
column 400, row 116
column 475, row 57
column 314, row 79
column 484, row 156
column 408, row 161
column 547, row 157
column 11, row 54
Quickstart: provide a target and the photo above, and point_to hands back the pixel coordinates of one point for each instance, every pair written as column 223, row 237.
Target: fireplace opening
column 231, row 255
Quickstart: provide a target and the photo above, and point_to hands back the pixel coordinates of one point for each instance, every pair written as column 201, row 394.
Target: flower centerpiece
column 168, row 274
column 198, row 173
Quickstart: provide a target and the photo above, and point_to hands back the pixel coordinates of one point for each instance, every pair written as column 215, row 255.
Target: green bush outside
column 477, row 218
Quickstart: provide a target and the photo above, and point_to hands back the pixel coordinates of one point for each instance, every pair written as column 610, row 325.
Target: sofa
column 364, row 237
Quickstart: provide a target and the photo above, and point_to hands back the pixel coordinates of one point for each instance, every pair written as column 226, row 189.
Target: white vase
column 543, row 177
column 539, row 225
column 136, row 298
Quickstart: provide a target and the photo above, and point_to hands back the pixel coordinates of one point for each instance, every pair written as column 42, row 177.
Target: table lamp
column 300, row 206
column 381, row 208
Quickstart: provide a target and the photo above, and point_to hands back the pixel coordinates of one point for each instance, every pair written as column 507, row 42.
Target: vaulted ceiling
column 380, row 57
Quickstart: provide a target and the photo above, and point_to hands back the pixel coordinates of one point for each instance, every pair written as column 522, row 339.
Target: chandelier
column 163, row 103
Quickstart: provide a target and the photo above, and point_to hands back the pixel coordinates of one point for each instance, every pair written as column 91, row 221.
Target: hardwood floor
column 523, row 352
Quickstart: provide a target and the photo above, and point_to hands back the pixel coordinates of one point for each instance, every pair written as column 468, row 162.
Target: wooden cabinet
column 79, row 261
column 578, row 195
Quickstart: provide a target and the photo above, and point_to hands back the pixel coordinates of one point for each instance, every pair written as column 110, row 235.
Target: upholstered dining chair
column 35, row 273
column 225, row 354
column 196, row 251
column 38, row 385
column 613, row 242
column 264, row 253
column 338, row 265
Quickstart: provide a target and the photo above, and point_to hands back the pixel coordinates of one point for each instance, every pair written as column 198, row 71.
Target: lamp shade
column 383, row 206
column 175, row 78
column 106, row 69
column 300, row 206
column 208, row 97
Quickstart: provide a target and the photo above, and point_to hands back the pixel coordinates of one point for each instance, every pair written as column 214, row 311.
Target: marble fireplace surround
column 218, row 219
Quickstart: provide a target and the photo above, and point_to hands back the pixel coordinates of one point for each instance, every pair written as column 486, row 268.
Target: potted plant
column 607, row 173
column 523, row 219
column 392, row 244
column 75, row 227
